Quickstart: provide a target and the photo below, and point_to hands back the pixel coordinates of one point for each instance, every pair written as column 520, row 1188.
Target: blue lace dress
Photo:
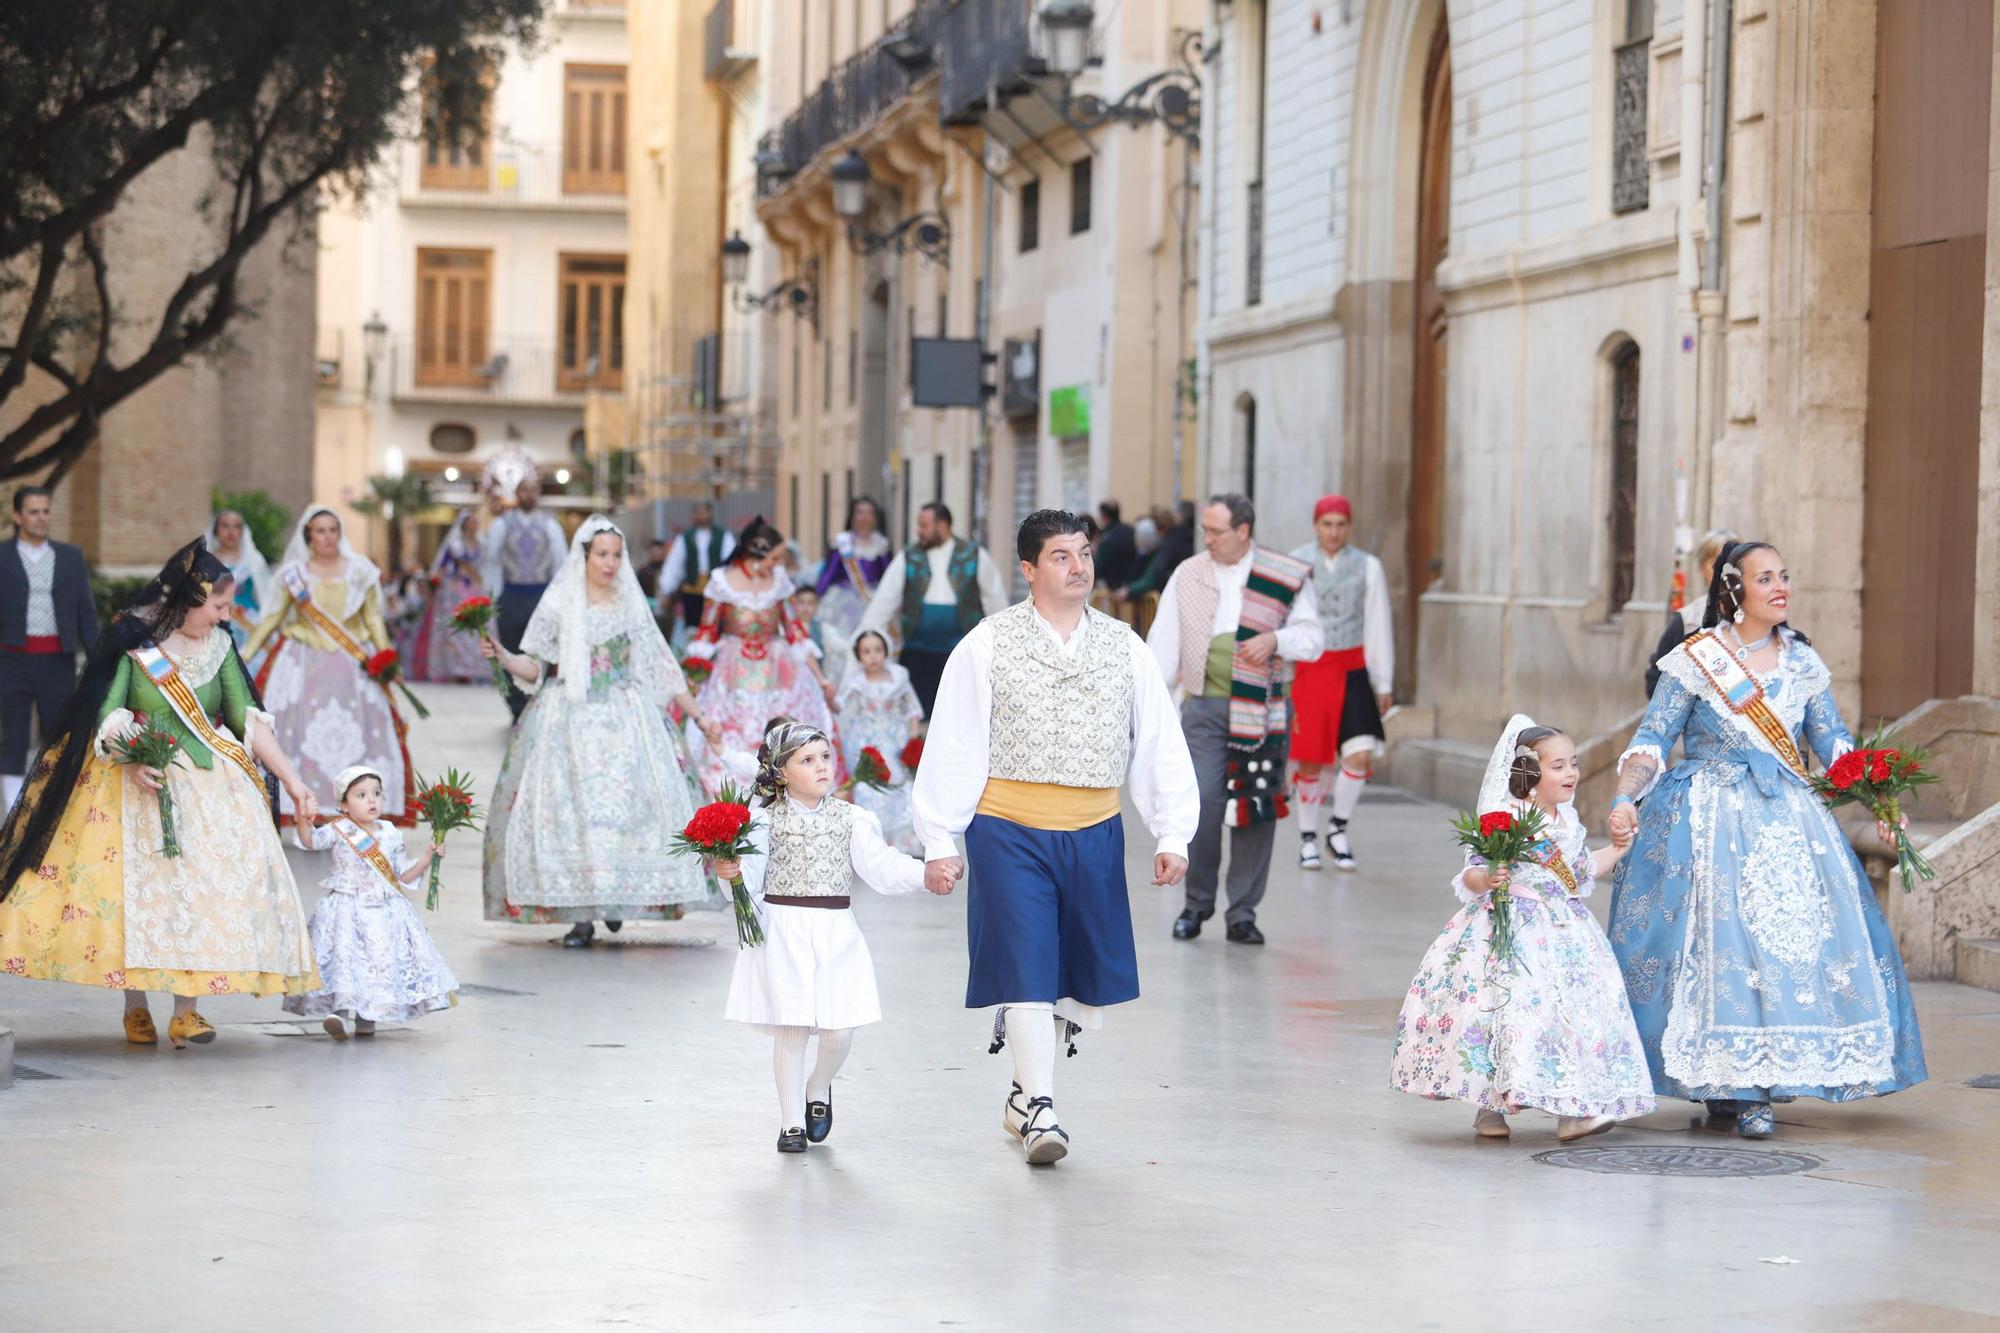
column 1757, row 960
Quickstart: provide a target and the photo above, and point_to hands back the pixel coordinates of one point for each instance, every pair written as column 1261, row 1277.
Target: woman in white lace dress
column 596, row 778
column 763, row 663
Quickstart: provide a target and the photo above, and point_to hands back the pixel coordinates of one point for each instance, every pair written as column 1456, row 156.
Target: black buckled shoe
column 819, row 1119
column 1245, row 932
column 1188, row 924
column 613, row 926
column 791, row 1140
column 580, row 936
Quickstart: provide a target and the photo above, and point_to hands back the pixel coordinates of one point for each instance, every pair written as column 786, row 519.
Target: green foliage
column 270, row 523
column 395, row 497
column 113, row 595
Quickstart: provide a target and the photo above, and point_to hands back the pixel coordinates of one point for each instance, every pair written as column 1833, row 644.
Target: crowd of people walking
column 1224, row 689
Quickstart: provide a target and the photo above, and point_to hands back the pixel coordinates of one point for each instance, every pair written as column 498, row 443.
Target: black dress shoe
column 613, row 926
column 1188, row 924
column 819, row 1119
column 579, row 936
column 1245, row 932
column 791, row 1140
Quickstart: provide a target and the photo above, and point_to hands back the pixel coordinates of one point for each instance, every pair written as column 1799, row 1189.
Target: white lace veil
column 361, row 571
column 249, row 566
column 557, row 632
column 1493, row 794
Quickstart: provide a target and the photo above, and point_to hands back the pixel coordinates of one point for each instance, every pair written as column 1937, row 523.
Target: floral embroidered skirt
column 1551, row 1030
column 376, row 960
column 331, row 717
column 108, row 909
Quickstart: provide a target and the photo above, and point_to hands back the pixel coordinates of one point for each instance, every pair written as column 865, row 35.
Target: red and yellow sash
column 1742, row 695
column 368, row 847
column 166, row 677
column 300, row 588
column 1558, row 865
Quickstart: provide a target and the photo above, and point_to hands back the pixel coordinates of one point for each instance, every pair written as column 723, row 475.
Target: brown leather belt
column 815, row 900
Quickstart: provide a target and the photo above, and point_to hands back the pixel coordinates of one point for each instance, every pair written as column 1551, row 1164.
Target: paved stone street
column 584, row 1142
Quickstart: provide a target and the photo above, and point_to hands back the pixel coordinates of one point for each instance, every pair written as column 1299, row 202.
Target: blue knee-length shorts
column 1047, row 916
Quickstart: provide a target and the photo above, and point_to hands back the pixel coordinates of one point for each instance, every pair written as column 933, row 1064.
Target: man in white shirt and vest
column 1229, row 620
column 1045, row 711
column 932, row 597
column 703, row 547
column 1339, row 699
column 46, row 618
column 524, row 547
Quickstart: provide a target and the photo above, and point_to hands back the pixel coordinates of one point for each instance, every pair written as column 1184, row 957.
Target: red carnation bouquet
column 913, row 754
column 697, row 670
column 1880, row 775
column 720, row 831
column 444, row 804
column 474, row 616
column 1500, row 839
column 385, row 668
column 150, row 746
column 872, row 770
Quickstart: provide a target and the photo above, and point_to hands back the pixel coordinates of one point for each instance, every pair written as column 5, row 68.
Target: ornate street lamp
column 1171, row 97
column 928, row 234
column 735, row 259
column 374, row 340
column 850, row 177
column 1067, row 24
column 799, row 295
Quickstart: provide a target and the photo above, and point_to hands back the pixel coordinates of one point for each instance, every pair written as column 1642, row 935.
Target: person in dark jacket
column 1687, row 620
column 1117, row 548
column 46, row 618
column 1176, row 545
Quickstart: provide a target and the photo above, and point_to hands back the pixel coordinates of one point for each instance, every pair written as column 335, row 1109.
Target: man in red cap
column 1338, row 700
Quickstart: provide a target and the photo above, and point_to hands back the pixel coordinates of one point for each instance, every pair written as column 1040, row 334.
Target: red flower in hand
column 1878, row 765
column 717, row 825
column 913, row 753
column 1847, row 770
column 1497, row 821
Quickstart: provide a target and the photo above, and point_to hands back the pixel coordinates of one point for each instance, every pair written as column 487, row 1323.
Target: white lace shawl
column 361, row 575
column 719, row 589
column 558, row 632
column 1493, row 794
column 856, row 681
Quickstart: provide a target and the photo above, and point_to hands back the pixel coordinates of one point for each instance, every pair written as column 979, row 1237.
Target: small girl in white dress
column 813, row 971
column 376, row 960
column 878, row 708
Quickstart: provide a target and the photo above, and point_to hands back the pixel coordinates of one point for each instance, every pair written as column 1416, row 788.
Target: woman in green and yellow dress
column 88, row 892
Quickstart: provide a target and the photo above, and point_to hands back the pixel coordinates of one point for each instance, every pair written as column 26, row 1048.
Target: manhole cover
column 1693, row 1160
column 1983, row 1081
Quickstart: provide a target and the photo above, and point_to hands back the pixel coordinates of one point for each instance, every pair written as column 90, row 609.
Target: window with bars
column 590, row 322
column 1631, row 75
column 1624, row 474
column 454, row 313
column 1031, row 216
column 1079, row 197
column 593, row 129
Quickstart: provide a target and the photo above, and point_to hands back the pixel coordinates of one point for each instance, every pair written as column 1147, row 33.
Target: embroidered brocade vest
column 1058, row 719
column 811, row 854
column 1343, row 596
column 963, row 571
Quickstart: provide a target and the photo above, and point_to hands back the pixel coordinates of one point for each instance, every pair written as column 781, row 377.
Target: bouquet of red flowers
column 1880, row 775
column 473, row 616
column 153, row 747
column 385, row 668
column 873, row 770
column 444, row 805
column 1500, row 839
column 720, row 831
column 913, row 754
column 697, row 670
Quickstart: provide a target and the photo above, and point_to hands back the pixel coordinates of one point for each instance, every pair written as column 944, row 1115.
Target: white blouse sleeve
column 318, row 839
column 1378, row 633
column 757, row 861
column 1300, row 638
column 1164, row 638
column 953, row 775
column 880, row 866
column 1162, row 772
column 992, row 592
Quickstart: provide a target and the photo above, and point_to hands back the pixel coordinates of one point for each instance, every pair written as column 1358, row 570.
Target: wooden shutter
column 456, row 166
column 590, row 323
column 454, row 294
column 593, row 129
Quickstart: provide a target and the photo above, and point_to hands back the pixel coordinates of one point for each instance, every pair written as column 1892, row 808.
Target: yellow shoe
column 139, row 1029
column 190, row 1027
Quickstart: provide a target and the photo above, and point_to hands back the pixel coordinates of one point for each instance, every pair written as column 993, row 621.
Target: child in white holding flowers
column 1550, row 1028
column 376, row 961
column 813, row 971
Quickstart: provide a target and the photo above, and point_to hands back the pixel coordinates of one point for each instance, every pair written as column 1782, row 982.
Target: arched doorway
column 1425, row 552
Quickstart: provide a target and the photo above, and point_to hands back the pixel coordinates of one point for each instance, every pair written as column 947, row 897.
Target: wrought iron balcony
column 989, row 51
column 866, row 87
column 723, row 60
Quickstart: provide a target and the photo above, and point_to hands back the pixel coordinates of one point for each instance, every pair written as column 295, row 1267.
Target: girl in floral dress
column 443, row 652
column 879, row 709
column 376, row 961
column 595, row 777
column 764, row 665
column 1551, row 1028
column 89, row 893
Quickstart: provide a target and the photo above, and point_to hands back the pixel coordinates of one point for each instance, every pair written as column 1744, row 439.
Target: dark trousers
column 926, row 670
column 1205, row 723
column 517, row 606
column 691, row 603
column 31, row 684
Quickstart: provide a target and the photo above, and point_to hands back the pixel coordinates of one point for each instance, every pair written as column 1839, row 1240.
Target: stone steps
column 1979, row 963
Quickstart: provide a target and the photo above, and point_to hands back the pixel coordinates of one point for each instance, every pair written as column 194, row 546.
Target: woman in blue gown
column 1759, row 965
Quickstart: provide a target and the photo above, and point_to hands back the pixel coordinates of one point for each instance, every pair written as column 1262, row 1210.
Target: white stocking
column 834, row 1044
column 1311, row 791
column 134, row 999
column 1347, row 793
column 1031, row 1031
column 788, row 1062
